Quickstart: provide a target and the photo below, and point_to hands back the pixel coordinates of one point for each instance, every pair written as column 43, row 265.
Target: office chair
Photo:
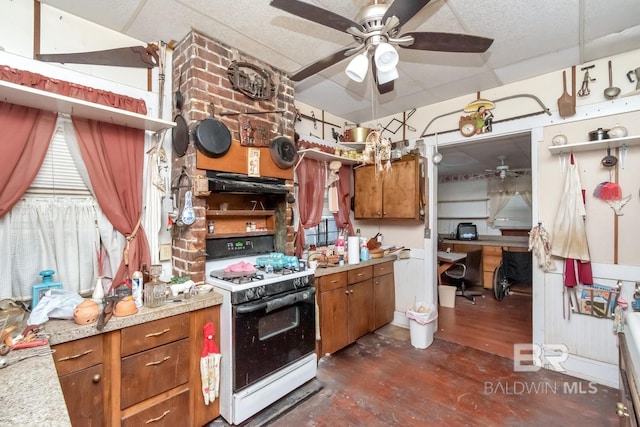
column 467, row 273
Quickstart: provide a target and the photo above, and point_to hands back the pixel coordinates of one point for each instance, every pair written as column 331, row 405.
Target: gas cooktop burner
column 237, row 278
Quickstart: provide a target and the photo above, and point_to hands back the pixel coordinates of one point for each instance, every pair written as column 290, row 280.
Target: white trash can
column 421, row 335
column 447, row 296
column 422, row 324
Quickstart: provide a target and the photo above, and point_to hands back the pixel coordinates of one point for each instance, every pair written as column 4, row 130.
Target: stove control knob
column 249, row 293
column 260, row 291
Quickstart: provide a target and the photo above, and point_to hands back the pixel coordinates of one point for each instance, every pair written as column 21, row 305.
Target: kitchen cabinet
column 384, row 301
column 82, row 378
column 360, row 288
column 142, row 374
column 395, row 194
column 353, row 303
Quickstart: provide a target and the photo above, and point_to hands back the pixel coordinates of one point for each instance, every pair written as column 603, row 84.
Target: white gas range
column 267, row 334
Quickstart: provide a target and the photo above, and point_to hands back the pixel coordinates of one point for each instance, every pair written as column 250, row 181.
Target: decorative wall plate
column 251, row 80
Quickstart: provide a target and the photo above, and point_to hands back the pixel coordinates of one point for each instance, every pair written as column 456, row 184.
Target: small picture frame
column 39, row 291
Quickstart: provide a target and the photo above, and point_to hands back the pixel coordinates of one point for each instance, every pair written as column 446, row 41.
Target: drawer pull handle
column 96, row 378
column 153, row 420
column 334, row 281
column 360, row 274
column 157, row 362
column 75, row 356
column 157, row 334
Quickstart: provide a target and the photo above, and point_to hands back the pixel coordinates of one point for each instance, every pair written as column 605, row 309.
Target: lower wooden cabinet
column 144, row 374
column 353, row 303
column 84, row 395
column 384, row 295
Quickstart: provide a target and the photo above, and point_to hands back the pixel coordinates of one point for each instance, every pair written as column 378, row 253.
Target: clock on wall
column 467, row 126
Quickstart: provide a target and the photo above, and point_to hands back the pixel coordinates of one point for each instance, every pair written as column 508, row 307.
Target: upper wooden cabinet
column 394, row 194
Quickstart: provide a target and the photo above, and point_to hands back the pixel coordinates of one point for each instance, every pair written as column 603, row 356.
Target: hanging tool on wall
column 584, row 90
column 315, row 120
column 400, row 124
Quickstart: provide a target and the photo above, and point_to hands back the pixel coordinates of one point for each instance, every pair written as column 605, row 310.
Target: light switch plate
column 165, row 252
column 427, row 233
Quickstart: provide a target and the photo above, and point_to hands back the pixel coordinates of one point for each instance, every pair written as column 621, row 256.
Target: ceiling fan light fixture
column 358, row 67
column 387, row 76
column 386, row 57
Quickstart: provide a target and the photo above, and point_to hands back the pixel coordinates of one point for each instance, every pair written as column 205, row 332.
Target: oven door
column 270, row 334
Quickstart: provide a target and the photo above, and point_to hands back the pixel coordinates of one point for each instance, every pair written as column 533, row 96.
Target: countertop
column 513, row 241
column 325, row 271
column 31, row 393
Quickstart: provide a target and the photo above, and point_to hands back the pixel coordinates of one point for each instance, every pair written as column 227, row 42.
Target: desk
column 446, row 261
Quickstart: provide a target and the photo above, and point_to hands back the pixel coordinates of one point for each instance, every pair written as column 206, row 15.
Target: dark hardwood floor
column 464, row 378
column 382, row 380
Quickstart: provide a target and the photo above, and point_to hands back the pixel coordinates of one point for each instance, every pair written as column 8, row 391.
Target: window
column 326, row 232
column 55, row 226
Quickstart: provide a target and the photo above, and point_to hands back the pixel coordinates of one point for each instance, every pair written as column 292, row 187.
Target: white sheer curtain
column 501, row 190
column 48, row 234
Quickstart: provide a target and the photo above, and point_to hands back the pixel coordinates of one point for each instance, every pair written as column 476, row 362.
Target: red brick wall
column 203, row 63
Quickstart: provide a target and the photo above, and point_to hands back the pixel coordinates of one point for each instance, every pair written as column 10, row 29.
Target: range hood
column 226, row 182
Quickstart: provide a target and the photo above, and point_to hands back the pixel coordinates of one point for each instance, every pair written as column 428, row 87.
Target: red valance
column 61, row 87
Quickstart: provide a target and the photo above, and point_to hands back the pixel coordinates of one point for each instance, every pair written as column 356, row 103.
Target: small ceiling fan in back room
column 502, row 171
column 376, row 29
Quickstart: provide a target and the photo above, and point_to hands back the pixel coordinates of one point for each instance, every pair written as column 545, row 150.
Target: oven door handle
column 276, row 303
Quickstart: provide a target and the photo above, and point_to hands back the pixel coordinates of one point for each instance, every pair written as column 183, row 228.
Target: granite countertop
column 324, row 271
column 31, row 393
column 513, row 241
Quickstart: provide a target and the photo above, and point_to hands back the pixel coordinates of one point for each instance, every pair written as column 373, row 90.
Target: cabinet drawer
column 384, row 268
column 75, row 355
column 332, row 281
column 148, row 335
column 492, row 250
column 173, row 411
column 154, row 371
column 359, row 274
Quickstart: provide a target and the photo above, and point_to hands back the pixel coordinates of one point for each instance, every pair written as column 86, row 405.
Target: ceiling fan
column 376, row 29
column 502, row 171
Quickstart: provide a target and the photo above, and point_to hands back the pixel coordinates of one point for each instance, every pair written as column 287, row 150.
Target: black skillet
column 180, row 133
column 212, row 137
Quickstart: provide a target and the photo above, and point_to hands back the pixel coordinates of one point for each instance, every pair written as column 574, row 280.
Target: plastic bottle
column 137, row 283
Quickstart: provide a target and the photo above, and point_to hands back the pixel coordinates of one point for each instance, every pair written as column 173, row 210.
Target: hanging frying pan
column 180, row 133
column 283, row 151
column 212, row 137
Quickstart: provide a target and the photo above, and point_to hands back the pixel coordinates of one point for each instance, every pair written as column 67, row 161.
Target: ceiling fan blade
column 404, row 9
column 448, row 42
column 316, row 14
column 320, row 65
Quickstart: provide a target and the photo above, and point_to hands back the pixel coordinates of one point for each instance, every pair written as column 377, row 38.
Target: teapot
column 637, row 73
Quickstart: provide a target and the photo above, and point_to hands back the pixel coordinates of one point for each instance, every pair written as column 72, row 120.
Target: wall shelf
column 312, row 153
column 627, row 141
column 239, row 234
column 239, row 212
column 43, row 100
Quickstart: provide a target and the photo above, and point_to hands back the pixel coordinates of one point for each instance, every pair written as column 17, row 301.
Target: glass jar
column 155, row 290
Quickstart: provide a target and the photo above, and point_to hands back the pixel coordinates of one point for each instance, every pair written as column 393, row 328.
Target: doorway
column 467, row 177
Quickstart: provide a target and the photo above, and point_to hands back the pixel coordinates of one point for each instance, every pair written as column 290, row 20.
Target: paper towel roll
column 353, row 249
